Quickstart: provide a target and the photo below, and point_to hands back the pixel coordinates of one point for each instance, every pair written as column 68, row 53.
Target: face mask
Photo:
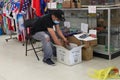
column 56, row 22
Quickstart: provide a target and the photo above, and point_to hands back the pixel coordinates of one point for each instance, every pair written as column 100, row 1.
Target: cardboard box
column 87, row 50
column 72, row 39
column 86, row 44
column 87, row 53
column 90, row 43
column 69, row 57
column 66, row 4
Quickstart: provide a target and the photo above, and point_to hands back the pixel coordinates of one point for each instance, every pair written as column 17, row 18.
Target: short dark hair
column 59, row 14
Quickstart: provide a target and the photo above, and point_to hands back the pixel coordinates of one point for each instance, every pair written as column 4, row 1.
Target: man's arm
column 60, row 33
column 54, row 37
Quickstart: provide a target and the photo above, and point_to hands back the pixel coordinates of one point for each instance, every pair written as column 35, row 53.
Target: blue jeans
column 48, row 49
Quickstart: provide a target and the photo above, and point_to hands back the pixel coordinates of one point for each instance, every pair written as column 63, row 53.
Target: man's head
column 58, row 15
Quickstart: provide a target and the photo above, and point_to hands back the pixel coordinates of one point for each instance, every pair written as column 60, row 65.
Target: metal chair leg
column 34, row 50
column 26, row 47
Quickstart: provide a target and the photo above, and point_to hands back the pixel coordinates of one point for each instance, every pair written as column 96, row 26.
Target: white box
column 69, row 57
column 52, row 5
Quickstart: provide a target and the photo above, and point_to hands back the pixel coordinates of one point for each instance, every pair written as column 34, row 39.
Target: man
column 43, row 30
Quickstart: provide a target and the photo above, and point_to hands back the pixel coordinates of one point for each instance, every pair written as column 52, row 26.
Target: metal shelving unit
column 107, row 53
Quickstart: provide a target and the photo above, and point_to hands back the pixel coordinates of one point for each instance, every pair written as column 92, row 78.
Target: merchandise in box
column 69, row 56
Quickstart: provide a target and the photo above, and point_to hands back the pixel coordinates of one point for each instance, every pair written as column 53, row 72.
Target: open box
column 69, row 57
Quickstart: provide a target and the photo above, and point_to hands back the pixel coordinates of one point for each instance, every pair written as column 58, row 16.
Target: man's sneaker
column 49, row 62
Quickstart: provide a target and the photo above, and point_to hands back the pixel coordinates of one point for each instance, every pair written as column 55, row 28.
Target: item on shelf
column 66, row 4
column 75, row 5
column 59, row 5
column 52, row 5
column 85, row 2
column 93, row 2
column 110, row 2
column 101, row 2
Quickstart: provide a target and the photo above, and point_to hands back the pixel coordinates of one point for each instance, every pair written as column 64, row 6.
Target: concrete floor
column 14, row 65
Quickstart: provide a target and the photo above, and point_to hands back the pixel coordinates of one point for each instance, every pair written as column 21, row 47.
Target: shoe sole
column 50, row 64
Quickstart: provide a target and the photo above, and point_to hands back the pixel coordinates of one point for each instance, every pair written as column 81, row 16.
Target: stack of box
column 72, row 4
column 87, row 50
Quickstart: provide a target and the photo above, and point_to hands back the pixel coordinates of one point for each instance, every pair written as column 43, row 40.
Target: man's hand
column 66, row 41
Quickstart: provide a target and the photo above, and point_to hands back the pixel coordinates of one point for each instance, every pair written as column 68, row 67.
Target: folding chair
column 28, row 38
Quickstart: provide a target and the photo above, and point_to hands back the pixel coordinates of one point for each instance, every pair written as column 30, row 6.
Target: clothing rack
column 11, row 37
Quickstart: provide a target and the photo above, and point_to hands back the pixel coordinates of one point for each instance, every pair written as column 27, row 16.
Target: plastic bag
column 104, row 74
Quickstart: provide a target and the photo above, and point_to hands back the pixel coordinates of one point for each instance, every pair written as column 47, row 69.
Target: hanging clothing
column 21, row 29
column 10, row 24
column 5, row 25
column 43, row 5
column 36, row 6
column 15, row 7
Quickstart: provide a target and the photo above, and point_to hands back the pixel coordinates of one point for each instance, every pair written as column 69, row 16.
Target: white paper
column 52, row 5
column 49, row 5
column 93, row 32
column 84, row 27
column 84, row 39
column 91, row 9
column 67, row 24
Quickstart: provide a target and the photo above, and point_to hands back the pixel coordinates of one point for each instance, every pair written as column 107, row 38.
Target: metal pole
column 109, row 22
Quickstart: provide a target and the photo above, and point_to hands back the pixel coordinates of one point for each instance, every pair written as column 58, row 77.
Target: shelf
column 101, row 7
column 106, row 33
column 84, row 9
column 109, row 32
column 99, row 51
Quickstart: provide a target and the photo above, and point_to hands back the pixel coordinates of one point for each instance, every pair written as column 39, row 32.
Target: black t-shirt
column 42, row 23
